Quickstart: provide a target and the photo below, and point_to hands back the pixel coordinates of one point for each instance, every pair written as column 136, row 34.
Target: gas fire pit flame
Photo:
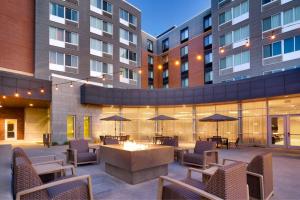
column 132, row 146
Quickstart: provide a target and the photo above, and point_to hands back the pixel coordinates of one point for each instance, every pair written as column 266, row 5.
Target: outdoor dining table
column 53, row 168
column 219, row 140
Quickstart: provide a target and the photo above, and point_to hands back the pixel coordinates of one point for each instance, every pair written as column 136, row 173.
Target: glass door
column 278, row 130
column 10, row 129
column 294, row 131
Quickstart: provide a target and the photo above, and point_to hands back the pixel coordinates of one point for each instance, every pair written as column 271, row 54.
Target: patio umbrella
column 162, row 118
column 115, row 118
column 217, row 118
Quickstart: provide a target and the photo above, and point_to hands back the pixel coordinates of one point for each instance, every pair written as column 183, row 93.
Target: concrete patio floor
column 286, row 165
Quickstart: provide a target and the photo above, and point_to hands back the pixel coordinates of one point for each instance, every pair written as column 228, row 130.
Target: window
column 289, row 45
column 225, row 17
column 165, row 45
column 226, row 62
column 126, row 35
column 56, row 34
column 166, row 73
column 208, row 58
column 56, row 58
column 72, row 37
column 107, row 27
column 271, row 22
column 72, row 14
column 184, row 35
column 241, row 9
column 71, row 127
column 87, row 127
column 165, row 85
column 207, row 22
column 208, row 76
column 150, row 60
column 57, row 10
column 107, row 7
column 207, row 40
column 241, row 58
column 107, row 48
column 101, row 67
column 150, row 74
column 297, row 43
column 128, row 17
column 184, row 66
column 291, row 16
column 184, row 51
column 271, row 50
column 97, row 3
column 129, row 55
column 165, row 59
column 263, row 2
column 71, row 61
column 150, row 45
column 128, row 74
column 96, row 23
column 226, row 39
column 96, row 44
column 241, row 34
column 185, row 82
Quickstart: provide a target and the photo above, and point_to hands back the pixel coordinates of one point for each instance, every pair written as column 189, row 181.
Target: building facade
column 183, row 54
column 66, row 64
column 254, row 37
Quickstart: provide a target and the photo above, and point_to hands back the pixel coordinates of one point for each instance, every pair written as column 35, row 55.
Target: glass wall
column 87, row 127
column 108, row 127
column 70, row 127
column 208, row 129
column 139, row 128
column 254, row 123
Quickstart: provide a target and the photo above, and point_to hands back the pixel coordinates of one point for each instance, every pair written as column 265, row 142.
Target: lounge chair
column 79, row 153
column 259, row 176
column 228, row 182
column 28, row 185
column 204, row 154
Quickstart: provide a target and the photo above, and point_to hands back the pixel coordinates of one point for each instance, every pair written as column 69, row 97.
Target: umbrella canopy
column 162, row 118
column 217, row 118
column 115, row 118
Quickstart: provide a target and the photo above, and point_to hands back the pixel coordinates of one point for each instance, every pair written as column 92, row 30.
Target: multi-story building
column 254, row 37
column 183, row 54
column 56, row 56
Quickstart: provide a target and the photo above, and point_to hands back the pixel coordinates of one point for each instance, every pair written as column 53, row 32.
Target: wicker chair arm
column 184, row 185
column 39, row 159
column 55, row 183
column 216, row 165
column 49, row 162
column 261, row 182
column 232, row 160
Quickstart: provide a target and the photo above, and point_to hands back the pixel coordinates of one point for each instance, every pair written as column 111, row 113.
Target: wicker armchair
column 28, row 185
column 228, row 182
column 79, row 153
column 259, row 173
column 204, row 154
column 110, row 141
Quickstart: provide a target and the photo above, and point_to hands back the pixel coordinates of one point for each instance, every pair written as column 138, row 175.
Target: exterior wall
column 66, row 101
column 12, row 113
column 37, row 122
column 17, row 36
column 83, row 51
column 257, row 13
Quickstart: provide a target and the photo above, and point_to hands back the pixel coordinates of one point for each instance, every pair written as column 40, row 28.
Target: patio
column 286, row 184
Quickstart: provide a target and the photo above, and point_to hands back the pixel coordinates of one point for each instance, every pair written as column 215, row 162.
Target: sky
column 159, row 15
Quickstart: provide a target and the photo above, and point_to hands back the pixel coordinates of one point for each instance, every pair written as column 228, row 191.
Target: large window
column 184, row 66
column 87, row 127
column 107, row 7
column 57, row 10
column 128, row 17
column 72, row 14
column 165, row 45
column 225, row 17
column 263, row 2
column 241, row 9
column 128, row 73
column 184, row 51
column 184, row 34
column 207, row 22
column 107, row 27
column 56, row 34
column 272, row 22
column 96, row 3
column 150, row 45
column 235, row 60
column 226, row 39
column 208, row 58
column 241, row 34
column 72, row 37
column 129, row 55
column 100, row 67
column 291, row 16
column 96, row 44
column 107, row 48
column 71, row 127
column 271, row 50
column 96, row 23
column 185, row 82
column 71, row 61
column 56, row 58
column 129, row 36
column 289, row 45
column 207, row 40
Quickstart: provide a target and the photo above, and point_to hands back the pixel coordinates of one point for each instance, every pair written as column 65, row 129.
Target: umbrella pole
column 115, row 128
column 217, row 134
